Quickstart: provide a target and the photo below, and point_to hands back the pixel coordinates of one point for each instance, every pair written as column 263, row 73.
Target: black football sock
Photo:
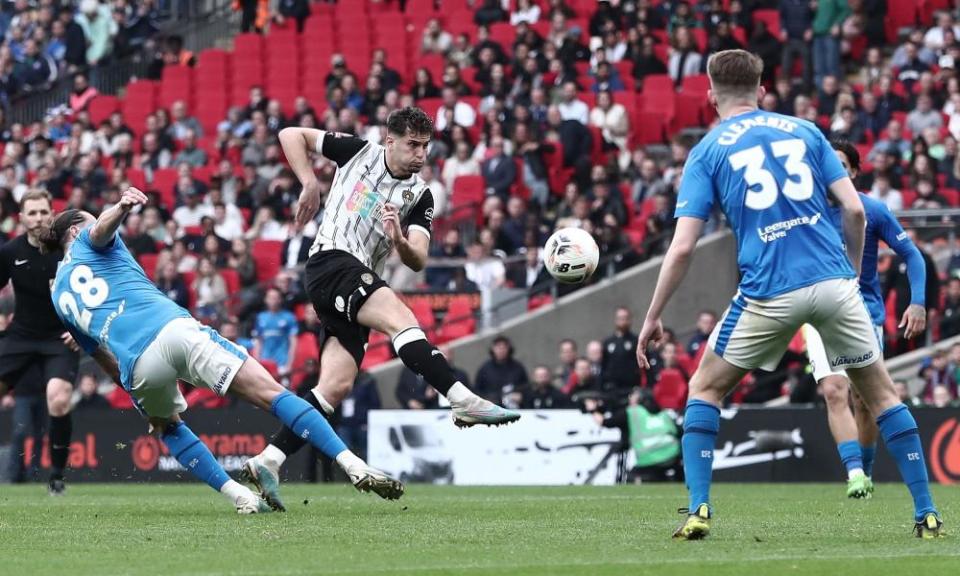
column 286, row 440
column 61, row 429
column 424, row 359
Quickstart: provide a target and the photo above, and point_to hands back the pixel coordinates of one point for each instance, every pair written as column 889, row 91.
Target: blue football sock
column 194, row 455
column 701, row 423
column 899, row 431
column 850, row 455
column 304, row 420
column 868, row 454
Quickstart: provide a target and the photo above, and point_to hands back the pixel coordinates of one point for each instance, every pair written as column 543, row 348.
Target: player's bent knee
column 255, row 384
column 59, row 394
column 836, row 390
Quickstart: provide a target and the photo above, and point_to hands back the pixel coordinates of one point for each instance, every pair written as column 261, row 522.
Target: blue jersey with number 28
column 105, row 300
column 770, row 175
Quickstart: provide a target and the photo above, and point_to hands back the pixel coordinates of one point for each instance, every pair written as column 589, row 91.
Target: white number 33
column 763, row 186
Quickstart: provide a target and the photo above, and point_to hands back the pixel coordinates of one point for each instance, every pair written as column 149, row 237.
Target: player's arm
column 108, row 363
column 414, row 247
column 106, row 226
column 854, row 219
column 676, row 262
column 297, row 144
column 694, row 204
column 914, row 318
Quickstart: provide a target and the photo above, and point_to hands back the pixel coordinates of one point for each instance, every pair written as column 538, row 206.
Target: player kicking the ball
column 770, row 175
column 856, row 434
column 375, row 193
column 145, row 342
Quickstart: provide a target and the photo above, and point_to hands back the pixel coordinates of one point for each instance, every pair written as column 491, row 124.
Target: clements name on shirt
column 734, row 131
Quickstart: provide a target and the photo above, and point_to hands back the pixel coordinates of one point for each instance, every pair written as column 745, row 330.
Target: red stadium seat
column 149, row 264
column 697, row 84
column 101, row 107
column 456, row 329
column 376, row 355
column 459, row 307
column 164, row 181
column 266, row 253
column 771, row 18
column 232, row 279
column 468, row 190
column 657, row 83
column 306, row 349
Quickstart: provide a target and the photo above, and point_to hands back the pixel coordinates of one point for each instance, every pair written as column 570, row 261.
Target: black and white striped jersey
column 361, row 188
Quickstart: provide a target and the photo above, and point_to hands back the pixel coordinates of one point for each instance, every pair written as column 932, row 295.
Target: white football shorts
column 817, row 354
column 186, row 350
column 755, row 333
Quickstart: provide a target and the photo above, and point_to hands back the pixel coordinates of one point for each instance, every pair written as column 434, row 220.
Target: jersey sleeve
column 697, row 189
column 830, row 167
column 421, row 217
column 891, row 232
column 88, row 344
column 84, row 239
column 339, row 147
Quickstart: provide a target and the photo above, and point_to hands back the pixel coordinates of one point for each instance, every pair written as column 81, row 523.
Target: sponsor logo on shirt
column 105, row 331
column 222, row 381
column 901, row 236
column 779, row 230
column 364, row 200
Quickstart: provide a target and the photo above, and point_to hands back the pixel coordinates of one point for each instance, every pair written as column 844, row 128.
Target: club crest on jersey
column 362, row 200
column 366, row 278
column 339, row 304
column 408, row 196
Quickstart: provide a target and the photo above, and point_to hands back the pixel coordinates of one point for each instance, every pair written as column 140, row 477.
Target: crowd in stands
column 547, row 114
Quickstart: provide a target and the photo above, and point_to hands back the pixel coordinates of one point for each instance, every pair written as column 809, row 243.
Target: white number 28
column 93, row 292
column 751, row 161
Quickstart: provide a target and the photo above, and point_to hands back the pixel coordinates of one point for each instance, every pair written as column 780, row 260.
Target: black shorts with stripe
column 338, row 284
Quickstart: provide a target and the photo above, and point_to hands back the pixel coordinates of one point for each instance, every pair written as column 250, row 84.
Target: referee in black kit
column 36, row 336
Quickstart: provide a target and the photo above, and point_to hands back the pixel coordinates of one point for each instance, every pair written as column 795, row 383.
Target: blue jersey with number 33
column 105, row 300
column 770, row 175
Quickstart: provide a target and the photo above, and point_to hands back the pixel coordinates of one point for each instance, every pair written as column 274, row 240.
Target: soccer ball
column 571, row 255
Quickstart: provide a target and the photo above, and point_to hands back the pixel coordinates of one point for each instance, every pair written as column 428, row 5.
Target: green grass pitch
column 760, row 529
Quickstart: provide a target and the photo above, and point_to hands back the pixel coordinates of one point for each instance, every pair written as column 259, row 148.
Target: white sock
column 459, row 394
column 853, row 473
column 327, row 407
column 273, row 457
column 233, row 490
column 348, row 460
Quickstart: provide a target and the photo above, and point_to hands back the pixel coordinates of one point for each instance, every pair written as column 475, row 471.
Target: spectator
column 242, row 261
column 489, row 12
column 423, row 86
column 296, row 10
column 435, row 39
column 620, row 354
column 182, row 123
column 646, row 61
column 611, row 117
column 501, row 375
column 582, row 378
column 894, row 143
column 275, row 331
column 571, row 107
column 265, row 226
column 99, row 28
column 912, row 68
column 950, row 321
column 903, row 392
column 934, row 38
column 190, row 154
column 606, row 78
column 90, row 398
column 796, row 33
column 941, row 397
column 566, row 357
column 706, row 322
column 454, row 111
column 136, row 238
column 883, row 192
column 170, row 282
column 210, row 289
column 927, row 196
column 499, row 170
column 192, row 211
column 542, row 395
column 36, row 70
column 525, row 11
column 828, row 18
column 684, row 59
column 924, row 116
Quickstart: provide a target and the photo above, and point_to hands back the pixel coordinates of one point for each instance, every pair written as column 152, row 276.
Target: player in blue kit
column 856, row 434
column 145, row 342
column 770, row 175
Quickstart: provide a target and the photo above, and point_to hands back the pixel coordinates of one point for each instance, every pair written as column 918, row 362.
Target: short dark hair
column 734, row 73
column 409, row 120
column 849, row 150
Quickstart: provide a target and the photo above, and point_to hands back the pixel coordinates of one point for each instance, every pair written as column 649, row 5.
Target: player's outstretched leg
column 899, row 431
column 836, row 392
column 385, row 312
column 194, row 455
column 701, row 424
column 867, row 433
column 255, row 384
column 59, row 393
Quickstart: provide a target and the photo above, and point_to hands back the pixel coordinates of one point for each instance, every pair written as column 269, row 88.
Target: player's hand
column 309, row 203
column 915, row 321
column 132, row 197
column 69, row 342
column 391, row 223
column 652, row 331
column 7, row 401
